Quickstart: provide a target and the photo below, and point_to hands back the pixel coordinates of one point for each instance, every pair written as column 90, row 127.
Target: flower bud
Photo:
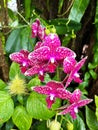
column 47, row 31
column 70, row 126
column 55, row 125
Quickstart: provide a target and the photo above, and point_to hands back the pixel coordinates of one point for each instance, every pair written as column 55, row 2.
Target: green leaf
column 79, row 124
column 78, row 10
column 2, row 84
column 86, row 76
column 6, row 107
column 92, row 66
column 34, row 82
column 64, row 26
column 14, row 70
column 13, row 41
column 19, row 39
column 93, row 74
column 21, row 118
column 91, row 119
column 37, row 108
column 96, row 103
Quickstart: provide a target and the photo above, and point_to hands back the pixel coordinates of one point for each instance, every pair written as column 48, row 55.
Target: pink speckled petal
column 68, row 64
column 32, row 71
column 41, row 32
column 42, row 90
column 63, row 94
column 76, row 96
column 24, row 52
column 63, row 52
column 41, row 53
column 38, row 45
column 17, row 57
column 52, row 41
column 84, row 102
column 54, row 84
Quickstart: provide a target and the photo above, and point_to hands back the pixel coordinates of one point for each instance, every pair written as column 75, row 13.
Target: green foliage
column 96, row 103
column 21, row 118
column 39, row 108
column 19, row 38
column 91, row 119
column 27, row 8
column 78, row 10
column 14, row 70
column 6, row 107
column 2, row 84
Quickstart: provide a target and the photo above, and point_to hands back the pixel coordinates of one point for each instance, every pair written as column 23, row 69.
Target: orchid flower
column 37, row 68
column 53, row 90
column 71, row 67
column 22, row 59
column 75, row 103
column 51, row 52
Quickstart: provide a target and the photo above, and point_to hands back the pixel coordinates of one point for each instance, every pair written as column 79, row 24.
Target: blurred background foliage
column 76, row 22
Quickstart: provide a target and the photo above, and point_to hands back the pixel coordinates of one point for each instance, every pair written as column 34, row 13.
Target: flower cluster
column 47, row 55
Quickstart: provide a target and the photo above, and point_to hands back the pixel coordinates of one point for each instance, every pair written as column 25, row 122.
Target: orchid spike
column 74, row 75
column 22, row 59
column 53, row 90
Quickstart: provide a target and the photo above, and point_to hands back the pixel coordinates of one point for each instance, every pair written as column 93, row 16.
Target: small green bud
column 53, row 30
column 55, row 125
column 47, row 31
column 70, row 126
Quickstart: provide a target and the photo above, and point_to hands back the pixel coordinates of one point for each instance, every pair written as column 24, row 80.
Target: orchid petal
column 41, row 53
column 52, row 41
column 63, row 52
column 49, row 102
column 68, row 64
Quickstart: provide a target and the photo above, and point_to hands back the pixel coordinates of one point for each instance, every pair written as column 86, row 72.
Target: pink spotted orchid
column 22, row 59
column 51, row 52
column 71, row 67
column 53, row 90
column 75, row 102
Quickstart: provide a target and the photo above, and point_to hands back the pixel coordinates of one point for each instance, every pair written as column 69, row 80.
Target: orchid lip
column 52, row 97
column 24, row 63
column 52, row 60
column 76, row 110
column 41, row 73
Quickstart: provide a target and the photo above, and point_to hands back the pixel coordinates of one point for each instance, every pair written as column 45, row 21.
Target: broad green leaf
column 14, row 70
column 96, row 103
column 78, row 10
column 37, row 108
column 6, row 107
column 34, row 82
column 20, row 39
column 92, row 66
column 13, row 41
column 91, row 119
column 2, row 84
column 27, row 8
column 21, row 118
column 79, row 124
